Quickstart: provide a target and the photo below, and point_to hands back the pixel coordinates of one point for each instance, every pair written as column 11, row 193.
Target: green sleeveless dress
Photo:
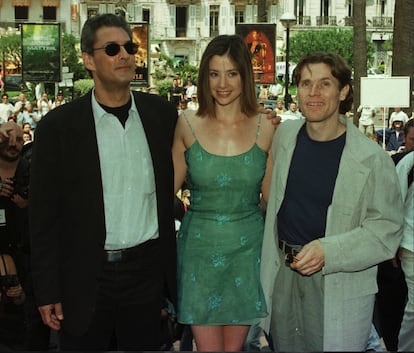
column 220, row 239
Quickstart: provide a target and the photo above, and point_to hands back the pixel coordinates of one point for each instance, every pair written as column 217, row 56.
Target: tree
column 403, row 42
column 360, row 51
column 166, row 69
column 339, row 41
column 71, row 57
column 10, row 47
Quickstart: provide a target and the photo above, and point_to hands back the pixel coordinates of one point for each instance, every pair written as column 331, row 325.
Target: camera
column 21, row 186
column 9, row 281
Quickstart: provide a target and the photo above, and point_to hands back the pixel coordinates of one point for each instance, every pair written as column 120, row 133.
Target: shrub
column 81, row 87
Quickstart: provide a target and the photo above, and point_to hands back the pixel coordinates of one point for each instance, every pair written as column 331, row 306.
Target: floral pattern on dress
column 214, row 302
column 219, row 242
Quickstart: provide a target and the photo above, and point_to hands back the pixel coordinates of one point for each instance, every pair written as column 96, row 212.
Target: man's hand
column 14, row 292
column 7, row 188
column 8, row 132
column 271, row 115
column 310, row 259
column 52, row 315
column 20, row 201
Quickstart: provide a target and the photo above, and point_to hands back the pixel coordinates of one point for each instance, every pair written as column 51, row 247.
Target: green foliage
column 339, row 41
column 81, row 87
column 169, row 69
column 10, row 48
column 160, row 75
column 163, row 86
column 168, row 61
column 71, row 57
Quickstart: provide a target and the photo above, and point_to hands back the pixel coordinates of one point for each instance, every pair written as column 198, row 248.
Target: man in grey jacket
column 334, row 213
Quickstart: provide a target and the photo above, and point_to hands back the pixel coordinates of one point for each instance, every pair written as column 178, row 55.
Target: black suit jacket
column 67, row 221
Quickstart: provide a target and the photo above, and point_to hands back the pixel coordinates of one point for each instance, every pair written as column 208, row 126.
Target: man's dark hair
column 409, row 124
column 88, row 36
column 339, row 70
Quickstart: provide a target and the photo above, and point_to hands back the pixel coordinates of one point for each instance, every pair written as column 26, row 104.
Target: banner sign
column 261, row 41
column 140, row 35
column 41, row 52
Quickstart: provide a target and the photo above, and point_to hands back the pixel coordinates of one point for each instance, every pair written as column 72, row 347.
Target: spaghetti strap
column 258, row 126
column 4, row 265
column 189, row 125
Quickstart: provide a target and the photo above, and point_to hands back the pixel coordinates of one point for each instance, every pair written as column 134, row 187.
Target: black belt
column 289, row 251
column 127, row 254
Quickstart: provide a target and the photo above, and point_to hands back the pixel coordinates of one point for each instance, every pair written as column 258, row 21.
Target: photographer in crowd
column 14, row 233
column 14, row 174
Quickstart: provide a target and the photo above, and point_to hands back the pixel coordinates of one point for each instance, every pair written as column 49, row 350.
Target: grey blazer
column 364, row 226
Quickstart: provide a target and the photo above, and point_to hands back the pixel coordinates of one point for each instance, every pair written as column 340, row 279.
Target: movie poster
column 41, row 52
column 140, row 37
column 261, row 41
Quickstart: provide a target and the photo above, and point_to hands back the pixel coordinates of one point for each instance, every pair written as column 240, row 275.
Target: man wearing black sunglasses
column 102, row 231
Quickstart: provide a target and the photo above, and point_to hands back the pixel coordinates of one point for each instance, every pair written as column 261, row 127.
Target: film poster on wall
column 140, row 36
column 41, row 52
column 261, row 41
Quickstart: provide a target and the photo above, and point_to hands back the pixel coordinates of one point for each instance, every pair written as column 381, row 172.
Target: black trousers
column 390, row 302
column 128, row 306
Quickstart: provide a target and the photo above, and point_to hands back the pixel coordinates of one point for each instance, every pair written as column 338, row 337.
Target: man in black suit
column 101, row 204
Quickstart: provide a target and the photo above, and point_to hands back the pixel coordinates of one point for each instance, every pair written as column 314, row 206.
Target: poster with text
column 41, row 52
column 140, row 37
column 261, row 41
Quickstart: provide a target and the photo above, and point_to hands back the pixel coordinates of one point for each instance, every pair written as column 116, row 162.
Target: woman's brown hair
column 236, row 49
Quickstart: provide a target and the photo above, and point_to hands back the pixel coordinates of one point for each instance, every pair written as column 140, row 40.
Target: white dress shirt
column 127, row 178
column 407, row 191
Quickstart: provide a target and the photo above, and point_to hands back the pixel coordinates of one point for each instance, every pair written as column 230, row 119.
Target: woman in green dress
column 223, row 151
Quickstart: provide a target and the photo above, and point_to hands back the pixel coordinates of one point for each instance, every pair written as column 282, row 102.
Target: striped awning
column 50, row 3
column 21, row 3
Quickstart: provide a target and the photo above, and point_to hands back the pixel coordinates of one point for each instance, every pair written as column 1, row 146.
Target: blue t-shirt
column 309, row 190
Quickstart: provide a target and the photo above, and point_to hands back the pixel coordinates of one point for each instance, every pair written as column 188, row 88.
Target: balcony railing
column 303, row 20
column 382, row 21
column 326, row 20
column 180, row 32
column 349, row 21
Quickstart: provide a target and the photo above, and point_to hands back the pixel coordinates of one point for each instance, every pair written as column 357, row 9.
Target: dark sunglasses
column 112, row 49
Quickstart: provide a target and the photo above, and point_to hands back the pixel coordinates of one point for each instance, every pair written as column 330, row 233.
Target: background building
column 181, row 29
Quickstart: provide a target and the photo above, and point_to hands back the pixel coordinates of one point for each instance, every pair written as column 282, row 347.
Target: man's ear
column 88, row 61
column 344, row 93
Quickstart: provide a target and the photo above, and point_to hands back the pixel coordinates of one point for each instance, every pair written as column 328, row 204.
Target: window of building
column 239, row 15
column 382, row 7
column 350, row 10
column 214, row 20
column 49, row 13
column 180, row 21
column 21, row 13
column 92, row 11
column 299, row 8
column 325, row 11
column 146, row 15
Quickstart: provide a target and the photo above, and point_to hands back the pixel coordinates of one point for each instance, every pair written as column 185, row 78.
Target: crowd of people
column 183, row 96
column 280, row 228
column 21, row 326
column 25, row 111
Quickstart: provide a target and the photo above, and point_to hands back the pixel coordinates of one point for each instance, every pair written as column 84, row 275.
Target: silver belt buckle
column 113, row 255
